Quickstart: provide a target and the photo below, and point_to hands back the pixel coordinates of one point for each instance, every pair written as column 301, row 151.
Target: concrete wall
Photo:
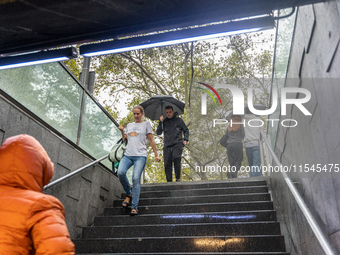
column 84, row 195
column 314, row 63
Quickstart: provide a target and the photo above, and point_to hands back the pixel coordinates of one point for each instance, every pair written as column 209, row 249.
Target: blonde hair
column 139, row 107
column 234, row 119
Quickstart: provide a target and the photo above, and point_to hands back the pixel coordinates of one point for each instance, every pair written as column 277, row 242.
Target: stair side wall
column 84, row 195
column 315, row 65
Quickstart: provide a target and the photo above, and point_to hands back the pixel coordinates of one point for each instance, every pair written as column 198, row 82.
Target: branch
column 242, row 56
column 191, row 166
column 188, row 176
column 163, row 90
column 200, row 174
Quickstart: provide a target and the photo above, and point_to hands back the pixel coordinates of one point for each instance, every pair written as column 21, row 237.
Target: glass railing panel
column 285, row 30
column 52, row 94
column 49, row 92
column 98, row 132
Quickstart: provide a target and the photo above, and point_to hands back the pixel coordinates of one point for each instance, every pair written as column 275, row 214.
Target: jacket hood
column 24, row 163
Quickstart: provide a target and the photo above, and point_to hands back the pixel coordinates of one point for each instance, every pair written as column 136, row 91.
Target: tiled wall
column 84, row 195
column 314, row 65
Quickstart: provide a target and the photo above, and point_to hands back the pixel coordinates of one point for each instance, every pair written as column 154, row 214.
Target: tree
column 172, row 70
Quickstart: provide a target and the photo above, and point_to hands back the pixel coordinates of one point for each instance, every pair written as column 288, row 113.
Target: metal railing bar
column 73, row 173
column 261, row 152
column 310, row 219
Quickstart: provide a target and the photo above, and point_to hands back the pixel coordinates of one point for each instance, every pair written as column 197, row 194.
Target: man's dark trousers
column 173, row 153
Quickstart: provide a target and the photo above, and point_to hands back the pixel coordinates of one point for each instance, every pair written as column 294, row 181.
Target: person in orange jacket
column 30, row 222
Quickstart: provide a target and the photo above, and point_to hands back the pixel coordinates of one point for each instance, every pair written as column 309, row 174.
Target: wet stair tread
column 235, row 218
column 185, row 244
column 194, row 208
column 193, row 253
column 208, row 191
column 200, row 199
column 203, row 185
column 176, row 218
column 170, row 230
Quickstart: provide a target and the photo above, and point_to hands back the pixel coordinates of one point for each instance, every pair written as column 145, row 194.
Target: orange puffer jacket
column 30, row 221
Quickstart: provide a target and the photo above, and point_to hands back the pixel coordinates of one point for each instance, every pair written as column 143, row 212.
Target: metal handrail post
column 306, row 212
column 261, row 152
column 84, row 81
column 73, row 173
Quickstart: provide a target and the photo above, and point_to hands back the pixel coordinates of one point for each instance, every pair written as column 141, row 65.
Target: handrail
column 306, row 212
column 73, row 173
column 261, row 153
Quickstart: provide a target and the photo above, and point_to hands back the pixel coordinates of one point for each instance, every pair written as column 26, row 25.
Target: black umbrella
column 154, row 107
column 256, row 106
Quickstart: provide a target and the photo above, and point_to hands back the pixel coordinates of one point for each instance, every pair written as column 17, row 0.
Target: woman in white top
column 138, row 134
column 252, row 142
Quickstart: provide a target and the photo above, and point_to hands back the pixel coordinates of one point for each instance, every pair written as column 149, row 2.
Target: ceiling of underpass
column 27, row 25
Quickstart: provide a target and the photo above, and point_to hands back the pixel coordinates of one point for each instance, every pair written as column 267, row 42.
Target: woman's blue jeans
column 254, row 161
column 125, row 163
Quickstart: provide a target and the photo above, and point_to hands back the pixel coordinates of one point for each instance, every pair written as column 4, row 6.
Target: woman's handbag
column 117, row 152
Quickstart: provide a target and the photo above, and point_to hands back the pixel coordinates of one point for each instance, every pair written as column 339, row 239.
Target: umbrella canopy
column 154, row 107
column 256, row 106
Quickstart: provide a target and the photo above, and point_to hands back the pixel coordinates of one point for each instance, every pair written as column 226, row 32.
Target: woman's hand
column 153, row 146
column 124, row 136
column 121, row 128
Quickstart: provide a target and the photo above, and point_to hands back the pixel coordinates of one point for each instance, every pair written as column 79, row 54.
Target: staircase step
column 203, row 192
column 213, row 217
column 182, row 244
column 194, row 208
column 193, row 253
column 173, row 230
column 200, row 199
column 200, row 185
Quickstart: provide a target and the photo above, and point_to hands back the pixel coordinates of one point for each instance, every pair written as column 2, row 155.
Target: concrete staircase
column 190, row 218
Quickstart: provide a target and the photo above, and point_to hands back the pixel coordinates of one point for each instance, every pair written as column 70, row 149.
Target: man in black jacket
column 173, row 126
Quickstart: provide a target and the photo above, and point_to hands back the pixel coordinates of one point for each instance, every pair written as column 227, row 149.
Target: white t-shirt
column 137, row 135
column 252, row 130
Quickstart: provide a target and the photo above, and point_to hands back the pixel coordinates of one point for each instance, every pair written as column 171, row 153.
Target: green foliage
column 75, row 65
column 132, row 77
column 111, row 112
